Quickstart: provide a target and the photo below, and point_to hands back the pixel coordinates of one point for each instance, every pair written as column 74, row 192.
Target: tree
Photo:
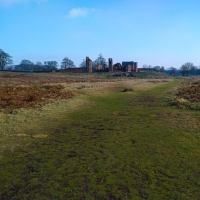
column 51, row 65
column 67, row 63
column 10, row 67
column 186, row 68
column 157, row 68
column 198, row 70
column 38, row 66
column 38, row 63
column 83, row 64
column 27, row 64
column 145, row 66
column 5, row 59
column 193, row 70
column 99, row 61
column 172, row 70
column 162, row 69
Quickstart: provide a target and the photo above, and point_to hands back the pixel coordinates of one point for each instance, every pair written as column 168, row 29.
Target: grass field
column 103, row 144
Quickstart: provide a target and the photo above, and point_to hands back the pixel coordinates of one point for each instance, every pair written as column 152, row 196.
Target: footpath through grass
column 125, row 146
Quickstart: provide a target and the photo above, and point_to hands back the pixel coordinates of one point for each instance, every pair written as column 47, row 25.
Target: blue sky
column 152, row 32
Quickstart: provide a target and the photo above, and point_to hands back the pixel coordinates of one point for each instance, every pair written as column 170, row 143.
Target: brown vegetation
column 24, row 90
column 14, row 97
column 190, row 91
column 188, row 95
column 47, row 78
column 19, row 90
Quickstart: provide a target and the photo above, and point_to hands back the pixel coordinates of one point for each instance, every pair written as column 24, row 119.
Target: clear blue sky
column 152, row 32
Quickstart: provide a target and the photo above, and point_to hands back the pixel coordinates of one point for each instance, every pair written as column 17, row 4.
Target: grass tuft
column 128, row 90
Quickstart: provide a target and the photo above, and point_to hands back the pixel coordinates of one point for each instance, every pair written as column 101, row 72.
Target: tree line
column 156, row 68
column 6, row 62
column 185, row 70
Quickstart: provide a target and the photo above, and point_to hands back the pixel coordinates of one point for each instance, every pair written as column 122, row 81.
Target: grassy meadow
column 117, row 139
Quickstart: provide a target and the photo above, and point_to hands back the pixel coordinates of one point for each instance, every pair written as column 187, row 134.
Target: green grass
column 149, row 74
column 128, row 145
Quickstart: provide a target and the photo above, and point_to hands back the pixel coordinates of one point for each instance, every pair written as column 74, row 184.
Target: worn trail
column 123, row 146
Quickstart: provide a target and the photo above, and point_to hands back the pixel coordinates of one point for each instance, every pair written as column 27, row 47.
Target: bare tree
column 162, row 69
column 67, row 63
column 83, row 64
column 172, row 70
column 186, row 68
column 38, row 66
column 51, row 65
column 38, row 63
column 27, row 64
column 198, row 70
column 145, row 66
column 193, row 70
column 99, row 61
column 157, row 68
column 5, row 59
column 10, row 67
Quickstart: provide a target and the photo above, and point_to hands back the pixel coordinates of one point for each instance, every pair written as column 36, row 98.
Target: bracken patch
column 191, row 92
column 188, row 95
column 15, row 97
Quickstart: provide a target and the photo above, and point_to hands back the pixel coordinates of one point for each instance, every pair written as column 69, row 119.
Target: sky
column 152, row 32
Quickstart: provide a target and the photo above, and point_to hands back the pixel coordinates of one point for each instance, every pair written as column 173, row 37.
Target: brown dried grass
column 188, row 94
column 15, row 97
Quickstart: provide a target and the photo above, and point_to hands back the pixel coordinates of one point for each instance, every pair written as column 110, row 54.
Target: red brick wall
column 75, row 70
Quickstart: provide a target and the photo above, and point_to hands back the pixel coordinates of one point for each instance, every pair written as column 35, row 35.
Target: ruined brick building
column 126, row 66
